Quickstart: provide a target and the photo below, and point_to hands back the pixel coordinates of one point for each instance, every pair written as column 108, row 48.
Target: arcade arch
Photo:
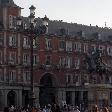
column 47, row 90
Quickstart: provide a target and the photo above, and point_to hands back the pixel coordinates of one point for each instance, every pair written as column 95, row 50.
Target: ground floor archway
column 47, row 90
column 11, row 98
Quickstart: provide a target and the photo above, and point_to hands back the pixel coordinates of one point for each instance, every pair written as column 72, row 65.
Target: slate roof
column 69, row 29
column 74, row 30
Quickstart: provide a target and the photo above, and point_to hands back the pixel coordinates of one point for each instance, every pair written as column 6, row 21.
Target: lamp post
column 32, row 31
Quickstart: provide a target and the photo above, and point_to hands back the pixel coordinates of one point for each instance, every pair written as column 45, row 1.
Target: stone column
column 19, row 97
column 81, row 96
column 61, row 96
column 5, row 97
column 36, row 90
column 73, row 97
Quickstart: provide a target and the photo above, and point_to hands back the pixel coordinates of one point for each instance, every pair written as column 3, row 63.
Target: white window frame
column 68, row 62
column 12, row 75
column 35, row 59
column 34, row 43
column 77, row 46
column 26, row 58
column 85, row 47
column 48, row 44
column 26, row 42
column 12, row 40
column 27, row 76
column 77, row 63
column 62, row 61
column 68, row 46
column 12, row 57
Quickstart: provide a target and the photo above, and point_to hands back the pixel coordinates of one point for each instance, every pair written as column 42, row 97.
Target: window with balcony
column 77, row 63
column 85, row 47
column 12, row 40
column 12, row 57
column 68, row 46
column 26, row 42
column 75, row 78
column 68, row 62
column 27, row 76
column 26, row 59
column 34, row 43
column 77, row 47
column 12, row 75
column 68, row 78
column 1, row 75
column 35, row 59
column 62, row 45
column 1, row 59
column 62, row 61
column 1, row 41
column 48, row 44
column 48, row 60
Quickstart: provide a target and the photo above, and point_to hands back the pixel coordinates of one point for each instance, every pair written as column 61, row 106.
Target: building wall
column 70, row 78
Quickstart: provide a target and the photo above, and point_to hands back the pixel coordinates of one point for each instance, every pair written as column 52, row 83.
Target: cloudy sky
column 94, row 12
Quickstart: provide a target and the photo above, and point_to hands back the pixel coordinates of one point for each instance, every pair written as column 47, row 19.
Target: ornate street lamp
column 32, row 32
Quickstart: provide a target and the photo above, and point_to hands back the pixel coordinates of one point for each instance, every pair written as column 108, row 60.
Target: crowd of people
column 56, row 108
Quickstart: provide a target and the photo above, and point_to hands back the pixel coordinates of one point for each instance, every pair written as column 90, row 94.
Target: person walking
column 95, row 108
column 77, row 109
column 105, row 109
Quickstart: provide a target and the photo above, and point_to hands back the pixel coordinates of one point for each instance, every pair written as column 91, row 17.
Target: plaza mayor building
column 64, row 68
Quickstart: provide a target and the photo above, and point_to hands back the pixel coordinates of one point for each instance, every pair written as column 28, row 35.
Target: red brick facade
column 60, row 58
